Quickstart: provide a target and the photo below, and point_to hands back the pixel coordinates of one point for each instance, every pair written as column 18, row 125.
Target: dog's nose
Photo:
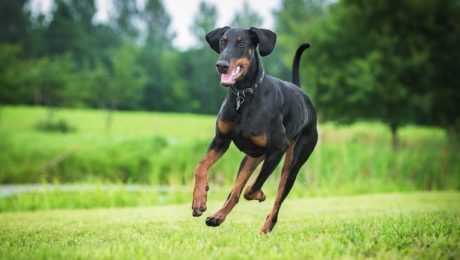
column 222, row 66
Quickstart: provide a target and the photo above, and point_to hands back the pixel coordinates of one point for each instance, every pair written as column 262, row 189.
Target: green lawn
column 400, row 225
column 91, row 123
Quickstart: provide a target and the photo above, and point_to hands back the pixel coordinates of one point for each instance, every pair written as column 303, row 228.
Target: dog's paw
column 214, row 221
column 198, row 207
column 270, row 223
column 198, row 211
column 267, row 227
column 199, row 202
column 258, row 195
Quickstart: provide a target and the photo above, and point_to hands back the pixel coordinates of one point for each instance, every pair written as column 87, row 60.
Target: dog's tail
column 296, row 63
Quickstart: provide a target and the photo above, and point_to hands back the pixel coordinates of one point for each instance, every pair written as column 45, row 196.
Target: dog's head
column 236, row 47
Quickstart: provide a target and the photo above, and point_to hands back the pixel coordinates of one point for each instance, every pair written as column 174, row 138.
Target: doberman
column 265, row 118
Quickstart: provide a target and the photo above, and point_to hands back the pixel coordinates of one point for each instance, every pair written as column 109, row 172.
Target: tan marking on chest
column 224, row 126
column 259, row 140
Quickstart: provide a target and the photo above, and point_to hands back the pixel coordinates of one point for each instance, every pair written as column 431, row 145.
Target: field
column 124, row 192
column 391, row 226
column 164, row 148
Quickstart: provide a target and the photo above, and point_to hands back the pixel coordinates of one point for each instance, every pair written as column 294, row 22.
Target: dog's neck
column 243, row 91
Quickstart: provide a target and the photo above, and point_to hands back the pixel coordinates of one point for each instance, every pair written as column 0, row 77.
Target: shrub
column 55, row 125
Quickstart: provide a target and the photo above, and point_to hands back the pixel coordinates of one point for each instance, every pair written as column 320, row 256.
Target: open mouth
column 231, row 76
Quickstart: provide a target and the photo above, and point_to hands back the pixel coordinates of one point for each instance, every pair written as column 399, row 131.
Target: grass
column 89, row 196
column 98, row 196
column 154, row 149
column 91, row 123
column 164, row 148
column 422, row 225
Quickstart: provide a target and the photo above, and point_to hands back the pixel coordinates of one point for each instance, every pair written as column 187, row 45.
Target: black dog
column 265, row 118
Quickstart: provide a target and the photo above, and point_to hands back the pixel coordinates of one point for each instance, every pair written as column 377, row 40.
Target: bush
column 55, row 125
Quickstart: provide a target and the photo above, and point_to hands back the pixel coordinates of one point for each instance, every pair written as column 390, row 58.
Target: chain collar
column 241, row 94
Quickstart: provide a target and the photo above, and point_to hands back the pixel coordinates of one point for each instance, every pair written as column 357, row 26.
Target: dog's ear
column 265, row 38
column 213, row 37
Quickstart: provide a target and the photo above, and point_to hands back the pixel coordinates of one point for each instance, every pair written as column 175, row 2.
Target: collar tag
column 241, row 94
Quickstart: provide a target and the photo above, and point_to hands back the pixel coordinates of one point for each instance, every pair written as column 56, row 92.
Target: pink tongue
column 228, row 78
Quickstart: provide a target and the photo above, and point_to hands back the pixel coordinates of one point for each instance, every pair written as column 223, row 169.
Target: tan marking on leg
column 259, row 140
column 249, row 166
column 224, row 127
column 272, row 217
column 256, row 195
column 201, row 181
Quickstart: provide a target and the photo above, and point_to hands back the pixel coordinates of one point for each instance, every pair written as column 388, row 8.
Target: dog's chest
column 248, row 145
column 249, row 136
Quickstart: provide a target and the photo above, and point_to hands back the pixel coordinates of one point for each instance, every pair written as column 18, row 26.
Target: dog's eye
column 241, row 44
column 223, row 41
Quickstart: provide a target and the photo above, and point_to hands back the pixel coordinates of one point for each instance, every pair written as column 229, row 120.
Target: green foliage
column 70, row 31
column 14, row 75
column 394, row 226
column 13, row 18
column 246, row 17
column 196, row 67
column 55, row 82
column 128, row 78
column 378, row 60
column 297, row 22
column 204, row 22
column 375, row 67
column 54, row 125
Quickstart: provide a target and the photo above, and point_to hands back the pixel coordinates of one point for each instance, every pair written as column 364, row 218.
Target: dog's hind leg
column 251, row 194
column 254, row 191
column 247, row 167
column 296, row 155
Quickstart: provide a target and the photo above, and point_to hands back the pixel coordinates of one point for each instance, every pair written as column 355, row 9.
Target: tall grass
column 163, row 149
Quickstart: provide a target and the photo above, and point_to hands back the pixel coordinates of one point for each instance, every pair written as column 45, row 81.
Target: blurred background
column 111, row 103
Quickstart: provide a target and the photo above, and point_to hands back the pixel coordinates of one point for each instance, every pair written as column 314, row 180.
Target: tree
column 14, row 75
column 124, row 19
column 443, row 25
column 204, row 22
column 127, row 79
column 14, row 21
column 297, row 21
column 55, row 82
column 373, row 61
column 157, row 23
column 197, row 65
column 157, row 57
column 71, row 30
column 247, row 17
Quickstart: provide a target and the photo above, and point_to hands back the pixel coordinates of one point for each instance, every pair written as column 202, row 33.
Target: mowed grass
column 391, row 226
column 91, row 123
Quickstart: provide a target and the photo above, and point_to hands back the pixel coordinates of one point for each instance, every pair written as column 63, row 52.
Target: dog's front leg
column 217, row 148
